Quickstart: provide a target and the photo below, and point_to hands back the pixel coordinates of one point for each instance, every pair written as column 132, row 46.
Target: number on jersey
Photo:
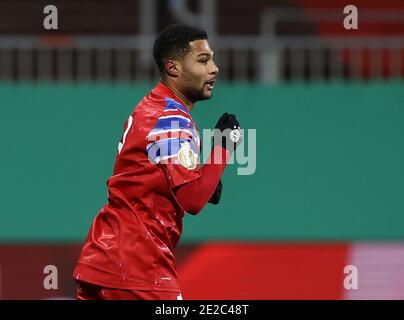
column 122, row 142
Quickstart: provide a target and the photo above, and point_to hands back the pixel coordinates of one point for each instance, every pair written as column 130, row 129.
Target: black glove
column 217, row 194
column 227, row 132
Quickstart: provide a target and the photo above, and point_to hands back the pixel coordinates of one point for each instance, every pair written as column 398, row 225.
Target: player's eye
column 204, row 61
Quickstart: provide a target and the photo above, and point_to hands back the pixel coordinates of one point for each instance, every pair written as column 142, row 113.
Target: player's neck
column 177, row 93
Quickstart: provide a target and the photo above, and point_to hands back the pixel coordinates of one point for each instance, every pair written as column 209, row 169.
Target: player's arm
column 194, row 195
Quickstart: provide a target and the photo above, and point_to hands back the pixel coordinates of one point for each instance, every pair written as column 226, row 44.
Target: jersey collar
column 167, row 92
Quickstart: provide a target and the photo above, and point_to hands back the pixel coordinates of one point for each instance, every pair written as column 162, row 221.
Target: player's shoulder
column 156, row 106
column 174, row 107
column 158, row 100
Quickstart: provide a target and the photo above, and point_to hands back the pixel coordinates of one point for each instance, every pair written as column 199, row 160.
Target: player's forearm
column 193, row 196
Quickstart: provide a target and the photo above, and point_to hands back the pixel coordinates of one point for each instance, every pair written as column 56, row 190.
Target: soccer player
column 129, row 250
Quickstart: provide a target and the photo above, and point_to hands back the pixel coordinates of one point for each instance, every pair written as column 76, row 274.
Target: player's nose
column 215, row 68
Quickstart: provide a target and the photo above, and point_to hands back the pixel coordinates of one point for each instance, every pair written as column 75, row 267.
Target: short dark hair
column 173, row 42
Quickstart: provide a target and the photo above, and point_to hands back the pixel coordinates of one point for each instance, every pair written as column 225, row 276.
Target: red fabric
column 131, row 242
column 205, row 186
column 87, row 291
column 242, row 271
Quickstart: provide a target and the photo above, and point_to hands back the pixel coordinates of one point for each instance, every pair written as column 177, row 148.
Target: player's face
column 198, row 71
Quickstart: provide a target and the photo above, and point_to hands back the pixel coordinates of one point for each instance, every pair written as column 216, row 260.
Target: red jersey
column 131, row 242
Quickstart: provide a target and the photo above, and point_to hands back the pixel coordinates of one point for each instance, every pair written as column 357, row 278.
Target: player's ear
column 173, row 67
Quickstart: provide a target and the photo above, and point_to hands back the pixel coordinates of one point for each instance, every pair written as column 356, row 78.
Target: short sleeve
column 174, row 145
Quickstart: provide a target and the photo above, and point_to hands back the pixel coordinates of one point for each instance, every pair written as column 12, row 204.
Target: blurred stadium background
column 327, row 104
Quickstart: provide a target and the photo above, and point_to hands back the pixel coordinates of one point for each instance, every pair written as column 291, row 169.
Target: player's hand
column 228, row 132
column 215, row 199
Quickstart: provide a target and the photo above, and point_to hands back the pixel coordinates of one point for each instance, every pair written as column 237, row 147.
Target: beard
column 195, row 91
column 195, row 94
